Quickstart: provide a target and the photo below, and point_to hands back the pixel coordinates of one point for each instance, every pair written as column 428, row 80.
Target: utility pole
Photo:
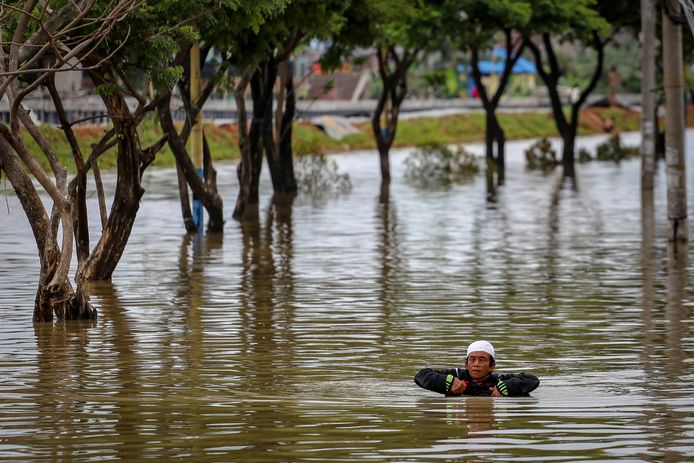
column 196, row 134
column 648, row 10
column 673, row 81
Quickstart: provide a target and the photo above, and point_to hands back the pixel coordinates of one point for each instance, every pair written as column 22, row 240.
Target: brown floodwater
column 295, row 337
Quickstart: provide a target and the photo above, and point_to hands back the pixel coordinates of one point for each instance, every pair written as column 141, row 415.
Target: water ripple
column 296, row 338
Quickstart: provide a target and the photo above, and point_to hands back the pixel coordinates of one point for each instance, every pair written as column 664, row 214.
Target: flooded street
column 295, row 337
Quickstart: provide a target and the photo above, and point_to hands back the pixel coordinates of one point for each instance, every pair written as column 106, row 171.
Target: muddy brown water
column 295, row 337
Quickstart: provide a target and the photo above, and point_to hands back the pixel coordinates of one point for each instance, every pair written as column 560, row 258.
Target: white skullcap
column 481, row 346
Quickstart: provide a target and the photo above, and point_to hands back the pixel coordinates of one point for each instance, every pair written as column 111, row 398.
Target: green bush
column 437, row 164
column 317, row 176
column 584, row 155
column 613, row 150
column 540, row 155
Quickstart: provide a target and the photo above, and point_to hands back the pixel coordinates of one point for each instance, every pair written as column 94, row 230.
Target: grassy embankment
column 460, row 128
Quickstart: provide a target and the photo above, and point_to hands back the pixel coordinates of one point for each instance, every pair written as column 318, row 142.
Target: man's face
column 479, row 364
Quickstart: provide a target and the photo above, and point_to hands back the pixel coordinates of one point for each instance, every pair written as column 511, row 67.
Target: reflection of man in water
column 477, row 415
column 477, row 378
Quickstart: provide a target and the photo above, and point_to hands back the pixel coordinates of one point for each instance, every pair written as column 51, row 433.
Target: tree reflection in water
column 266, row 293
column 392, row 268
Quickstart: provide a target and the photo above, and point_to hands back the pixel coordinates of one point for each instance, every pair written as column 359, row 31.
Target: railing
column 91, row 110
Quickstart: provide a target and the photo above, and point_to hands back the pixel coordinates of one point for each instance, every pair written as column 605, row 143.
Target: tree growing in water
column 591, row 22
column 96, row 35
column 474, row 25
column 401, row 33
column 265, row 60
column 223, row 31
column 59, row 35
column 205, row 188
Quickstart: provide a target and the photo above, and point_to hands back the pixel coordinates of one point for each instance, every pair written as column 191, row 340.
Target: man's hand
column 500, row 390
column 458, row 386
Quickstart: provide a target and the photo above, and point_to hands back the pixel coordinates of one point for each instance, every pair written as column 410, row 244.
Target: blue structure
column 496, row 66
column 197, row 206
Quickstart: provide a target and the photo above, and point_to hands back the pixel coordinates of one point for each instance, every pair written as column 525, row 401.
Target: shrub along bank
column 458, row 128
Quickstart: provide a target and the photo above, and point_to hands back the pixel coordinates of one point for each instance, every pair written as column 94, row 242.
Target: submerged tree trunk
column 255, row 136
column 494, row 134
column 77, row 189
column 490, row 135
column 384, row 121
column 210, row 173
column 245, row 167
column 570, row 141
column 569, row 146
column 184, row 198
column 551, row 81
column 213, row 202
column 567, row 128
column 263, row 84
column 500, row 137
column 54, row 296
column 384, row 131
column 284, row 180
column 277, row 124
column 205, row 191
column 126, row 202
column 57, row 298
column 262, row 135
column 132, row 160
column 285, row 133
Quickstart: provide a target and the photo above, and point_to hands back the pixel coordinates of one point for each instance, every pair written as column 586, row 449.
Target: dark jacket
column 520, row 384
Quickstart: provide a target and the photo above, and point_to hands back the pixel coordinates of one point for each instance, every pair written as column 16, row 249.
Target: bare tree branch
column 35, row 169
column 58, row 170
column 63, row 268
column 53, row 33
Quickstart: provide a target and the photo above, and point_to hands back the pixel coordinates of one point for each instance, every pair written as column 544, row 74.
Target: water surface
column 295, row 336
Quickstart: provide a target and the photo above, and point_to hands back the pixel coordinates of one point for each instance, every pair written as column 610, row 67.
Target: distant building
column 352, row 82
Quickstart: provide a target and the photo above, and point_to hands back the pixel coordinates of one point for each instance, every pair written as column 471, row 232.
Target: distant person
column 474, row 93
column 613, row 81
column 477, row 378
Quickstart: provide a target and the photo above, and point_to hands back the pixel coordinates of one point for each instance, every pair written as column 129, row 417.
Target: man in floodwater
column 477, row 378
